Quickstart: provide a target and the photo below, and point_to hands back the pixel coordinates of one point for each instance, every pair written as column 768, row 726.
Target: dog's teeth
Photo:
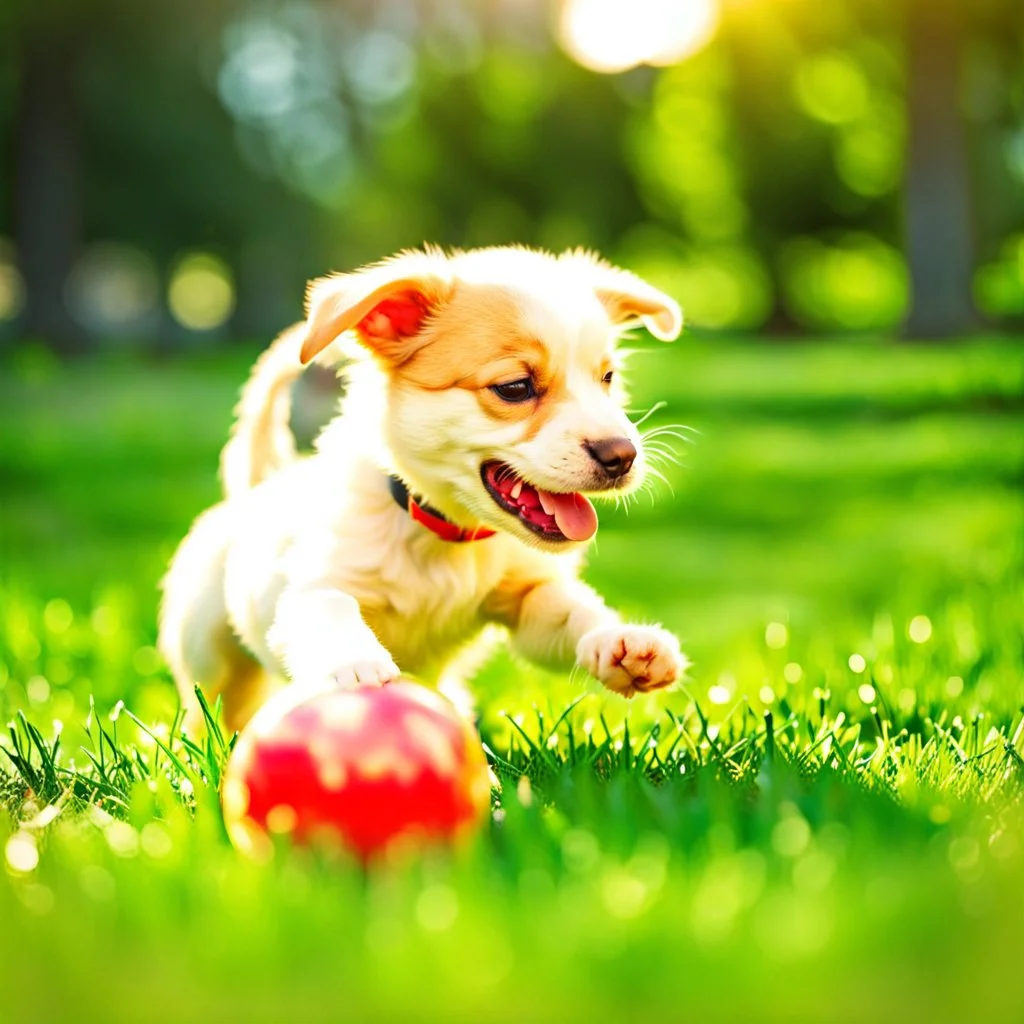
column 517, row 489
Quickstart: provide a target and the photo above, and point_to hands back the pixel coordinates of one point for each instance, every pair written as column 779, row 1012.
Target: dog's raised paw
column 631, row 659
column 365, row 672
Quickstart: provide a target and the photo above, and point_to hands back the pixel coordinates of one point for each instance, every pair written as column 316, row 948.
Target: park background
column 835, row 194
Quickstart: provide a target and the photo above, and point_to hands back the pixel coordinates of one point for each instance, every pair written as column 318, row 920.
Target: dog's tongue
column 574, row 515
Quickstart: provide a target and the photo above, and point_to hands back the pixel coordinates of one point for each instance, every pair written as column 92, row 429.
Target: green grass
column 824, row 824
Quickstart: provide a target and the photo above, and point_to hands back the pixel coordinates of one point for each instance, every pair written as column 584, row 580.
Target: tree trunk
column 937, row 190
column 47, row 209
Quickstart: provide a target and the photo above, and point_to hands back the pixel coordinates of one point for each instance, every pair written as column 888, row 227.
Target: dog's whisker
column 688, row 428
column 664, row 428
column 686, row 437
column 650, row 412
column 653, row 471
column 660, row 458
column 661, row 448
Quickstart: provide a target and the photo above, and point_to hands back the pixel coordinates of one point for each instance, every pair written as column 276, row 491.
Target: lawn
column 824, row 823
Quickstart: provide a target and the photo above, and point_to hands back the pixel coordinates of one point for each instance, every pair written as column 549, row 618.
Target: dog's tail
column 261, row 439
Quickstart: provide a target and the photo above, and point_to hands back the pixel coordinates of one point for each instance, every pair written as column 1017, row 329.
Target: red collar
column 435, row 521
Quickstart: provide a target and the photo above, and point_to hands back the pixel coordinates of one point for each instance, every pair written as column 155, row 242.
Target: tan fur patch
column 478, row 340
column 505, row 602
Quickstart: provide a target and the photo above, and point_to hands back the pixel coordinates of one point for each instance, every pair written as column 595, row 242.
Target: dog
column 483, row 410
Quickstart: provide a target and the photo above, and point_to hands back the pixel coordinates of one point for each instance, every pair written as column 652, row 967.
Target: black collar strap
column 433, row 519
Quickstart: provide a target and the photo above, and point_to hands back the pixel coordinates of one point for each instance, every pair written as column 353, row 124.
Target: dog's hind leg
column 196, row 637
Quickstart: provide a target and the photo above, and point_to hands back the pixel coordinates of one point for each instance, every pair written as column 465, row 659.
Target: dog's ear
column 628, row 297
column 386, row 305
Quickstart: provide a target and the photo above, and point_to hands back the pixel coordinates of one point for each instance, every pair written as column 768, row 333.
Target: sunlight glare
column 611, row 36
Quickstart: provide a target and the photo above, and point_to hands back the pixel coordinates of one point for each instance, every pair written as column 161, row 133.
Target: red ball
column 371, row 766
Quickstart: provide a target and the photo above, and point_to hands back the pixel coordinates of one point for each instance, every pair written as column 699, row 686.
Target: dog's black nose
column 615, row 454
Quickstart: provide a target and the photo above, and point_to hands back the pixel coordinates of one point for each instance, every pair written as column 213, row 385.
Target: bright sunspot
column 612, row 35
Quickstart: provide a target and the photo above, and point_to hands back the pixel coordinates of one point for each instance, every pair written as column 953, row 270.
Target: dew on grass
column 524, row 791
column 766, row 694
column 58, row 616
column 776, row 635
column 792, row 673
column 857, row 663
column 122, row 839
column 37, row 689
column 866, row 692
column 791, row 835
column 156, row 841
column 104, row 620
column 920, row 629
column 623, row 894
column 21, row 853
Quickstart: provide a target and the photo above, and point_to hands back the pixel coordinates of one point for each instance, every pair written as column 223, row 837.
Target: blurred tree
column 939, row 230
column 47, row 211
column 116, row 134
column 762, row 179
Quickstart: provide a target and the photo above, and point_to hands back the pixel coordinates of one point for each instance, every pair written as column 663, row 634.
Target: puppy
column 482, row 410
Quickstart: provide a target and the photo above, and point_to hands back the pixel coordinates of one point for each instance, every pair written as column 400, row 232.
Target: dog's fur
column 309, row 571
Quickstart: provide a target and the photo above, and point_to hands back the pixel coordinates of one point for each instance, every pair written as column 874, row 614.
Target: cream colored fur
column 309, row 571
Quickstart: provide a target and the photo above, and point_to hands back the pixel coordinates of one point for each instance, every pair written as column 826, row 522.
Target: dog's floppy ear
column 628, row 297
column 385, row 304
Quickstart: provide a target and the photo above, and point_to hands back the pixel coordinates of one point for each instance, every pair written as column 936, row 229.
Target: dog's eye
column 515, row 390
column 607, row 378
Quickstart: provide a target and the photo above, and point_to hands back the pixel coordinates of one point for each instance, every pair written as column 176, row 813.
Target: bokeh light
column 201, row 295
column 999, row 285
column 612, row 36
column 720, row 286
column 113, row 289
column 855, row 283
column 12, row 287
column 869, row 153
column 832, row 87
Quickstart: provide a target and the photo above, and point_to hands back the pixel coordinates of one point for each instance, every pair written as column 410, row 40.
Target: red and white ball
column 371, row 767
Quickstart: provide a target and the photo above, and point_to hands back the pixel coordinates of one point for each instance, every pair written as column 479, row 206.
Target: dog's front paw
column 374, row 670
column 631, row 659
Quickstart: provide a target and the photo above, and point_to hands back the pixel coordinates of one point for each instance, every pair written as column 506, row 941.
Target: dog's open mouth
column 550, row 515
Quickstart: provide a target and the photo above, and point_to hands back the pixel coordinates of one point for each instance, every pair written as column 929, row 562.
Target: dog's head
column 503, row 404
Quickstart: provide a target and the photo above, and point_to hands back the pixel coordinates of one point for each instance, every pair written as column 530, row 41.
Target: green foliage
column 761, row 179
column 827, row 817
